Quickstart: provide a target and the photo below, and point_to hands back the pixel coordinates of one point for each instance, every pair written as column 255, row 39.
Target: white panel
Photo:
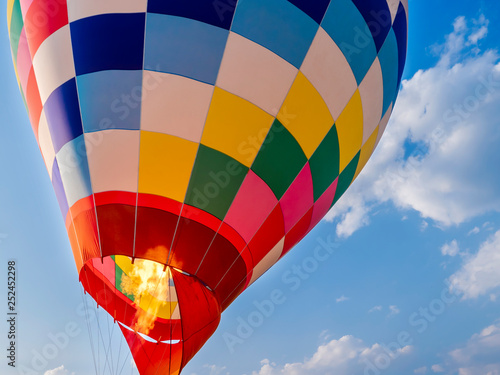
column 174, row 105
column 383, row 124
column 113, row 157
column 45, row 143
column 268, row 261
column 256, row 74
column 372, row 99
column 326, row 67
column 53, row 62
column 393, row 8
column 78, row 9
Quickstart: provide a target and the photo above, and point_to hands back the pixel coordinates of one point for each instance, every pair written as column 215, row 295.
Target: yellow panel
column 305, row 114
column 10, row 8
column 165, row 309
column 350, row 130
column 165, row 164
column 366, row 151
column 235, row 127
column 124, row 262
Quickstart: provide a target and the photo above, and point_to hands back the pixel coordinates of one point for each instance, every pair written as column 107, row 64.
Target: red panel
column 116, row 229
column 79, row 207
column 222, row 260
column 152, row 358
column 200, row 313
column 234, row 294
column 298, row 232
column 268, row 235
column 228, row 232
column 323, row 204
column 42, row 19
column 162, row 203
column 109, row 197
column 33, row 102
column 201, row 216
column 191, row 241
column 82, row 219
column 154, row 233
column 231, row 286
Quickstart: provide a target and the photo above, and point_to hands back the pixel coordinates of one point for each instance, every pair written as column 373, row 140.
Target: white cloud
column 479, row 274
column 437, row 368
column 451, row 249
column 394, row 310
column 375, row 308
column 58, row 371
column 216, row 370
column 480, row 354
column 450, row 114
column 420, row 370
column 342, row 299
column 347, row 355
column 474, row 230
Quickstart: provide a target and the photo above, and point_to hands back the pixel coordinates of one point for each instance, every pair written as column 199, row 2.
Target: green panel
column 280, row 159
column 118, row 282
column 346, row 177
column 215, row 181
column 16, row 26
column 325, row 163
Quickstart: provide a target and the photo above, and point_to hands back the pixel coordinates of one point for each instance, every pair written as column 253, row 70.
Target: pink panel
column 23, row 60
column 252, row 205
column 298, row 198
column 323, row 204
column 25, row 5
column 107, row 268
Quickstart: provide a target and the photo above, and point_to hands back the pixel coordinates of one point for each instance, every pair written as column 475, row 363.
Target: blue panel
column 378, row 18
column 277, row 25
column 108, row 41
column 63, row 114
column 216, row 12
column 74, row 168
column 185, row 47
column 111, row 99
column 400, row 27
column 315, row 9
column 388, row 57
column 347, row 27
column 59, row 189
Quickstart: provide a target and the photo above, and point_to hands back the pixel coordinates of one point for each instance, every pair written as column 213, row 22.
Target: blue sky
column 421, row 220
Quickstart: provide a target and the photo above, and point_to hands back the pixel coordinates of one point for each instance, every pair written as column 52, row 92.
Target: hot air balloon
column 192, row 143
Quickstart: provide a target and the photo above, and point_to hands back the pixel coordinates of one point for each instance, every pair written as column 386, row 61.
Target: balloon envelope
column 191, row 144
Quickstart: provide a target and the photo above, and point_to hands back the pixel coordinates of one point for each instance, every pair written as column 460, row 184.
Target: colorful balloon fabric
column 206, row 136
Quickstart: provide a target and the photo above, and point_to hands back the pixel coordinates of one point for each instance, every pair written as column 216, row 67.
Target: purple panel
column 63, row 114
column 59, row 189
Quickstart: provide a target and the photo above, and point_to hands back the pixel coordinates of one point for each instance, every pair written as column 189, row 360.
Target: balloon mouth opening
column 153, row 304
column 148, row 338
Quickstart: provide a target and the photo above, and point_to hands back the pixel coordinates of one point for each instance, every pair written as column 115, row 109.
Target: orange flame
column 149, row 285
